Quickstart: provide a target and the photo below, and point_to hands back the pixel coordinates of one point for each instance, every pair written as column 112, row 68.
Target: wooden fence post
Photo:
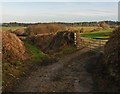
column 75, row 42
column 77, row 39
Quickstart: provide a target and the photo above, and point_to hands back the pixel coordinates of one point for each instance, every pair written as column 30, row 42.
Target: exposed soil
column 72, row 73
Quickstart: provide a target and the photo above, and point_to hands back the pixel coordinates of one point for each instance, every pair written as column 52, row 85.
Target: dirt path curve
column 69, row 74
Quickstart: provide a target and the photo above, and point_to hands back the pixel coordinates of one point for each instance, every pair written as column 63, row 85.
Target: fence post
column 77, row 39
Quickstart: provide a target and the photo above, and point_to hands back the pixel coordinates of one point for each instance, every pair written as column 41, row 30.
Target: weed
column 37, row 54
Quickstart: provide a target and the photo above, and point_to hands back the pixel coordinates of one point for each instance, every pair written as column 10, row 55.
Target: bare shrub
column 104, row 25
column 44, row 28
column 82, row 30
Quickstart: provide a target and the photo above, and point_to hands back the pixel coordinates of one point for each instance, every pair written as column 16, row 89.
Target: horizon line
column 61, row 21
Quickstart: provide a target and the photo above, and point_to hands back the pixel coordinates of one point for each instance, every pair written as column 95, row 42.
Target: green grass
column 37, row 54
column 98, row 34
column 69, row 50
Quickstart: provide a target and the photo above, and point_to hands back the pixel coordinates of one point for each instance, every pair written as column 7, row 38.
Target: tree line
column 111, row 23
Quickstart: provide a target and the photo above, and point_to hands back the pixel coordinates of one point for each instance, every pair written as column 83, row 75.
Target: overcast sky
column 59, row 11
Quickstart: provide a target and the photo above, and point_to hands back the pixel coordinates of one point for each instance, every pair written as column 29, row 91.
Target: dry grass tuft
column 13, row 47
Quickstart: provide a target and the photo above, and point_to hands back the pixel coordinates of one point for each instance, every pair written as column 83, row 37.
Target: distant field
column 13, row 28
column 98, row 34
column 86, row 28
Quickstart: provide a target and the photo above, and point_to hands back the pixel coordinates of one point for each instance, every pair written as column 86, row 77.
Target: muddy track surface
column 69, row 74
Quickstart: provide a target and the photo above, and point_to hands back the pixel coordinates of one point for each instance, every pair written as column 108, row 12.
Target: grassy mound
column 53, row 42
column 13, row 47
column 18, row 56
column 112, row 54
column 61, row 40
column 14, row 52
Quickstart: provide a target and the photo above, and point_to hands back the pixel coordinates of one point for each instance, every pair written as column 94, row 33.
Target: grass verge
column 37, row 54
column 13, row 71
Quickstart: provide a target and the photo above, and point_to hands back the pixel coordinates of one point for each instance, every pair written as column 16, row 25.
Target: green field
column 98, row 34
